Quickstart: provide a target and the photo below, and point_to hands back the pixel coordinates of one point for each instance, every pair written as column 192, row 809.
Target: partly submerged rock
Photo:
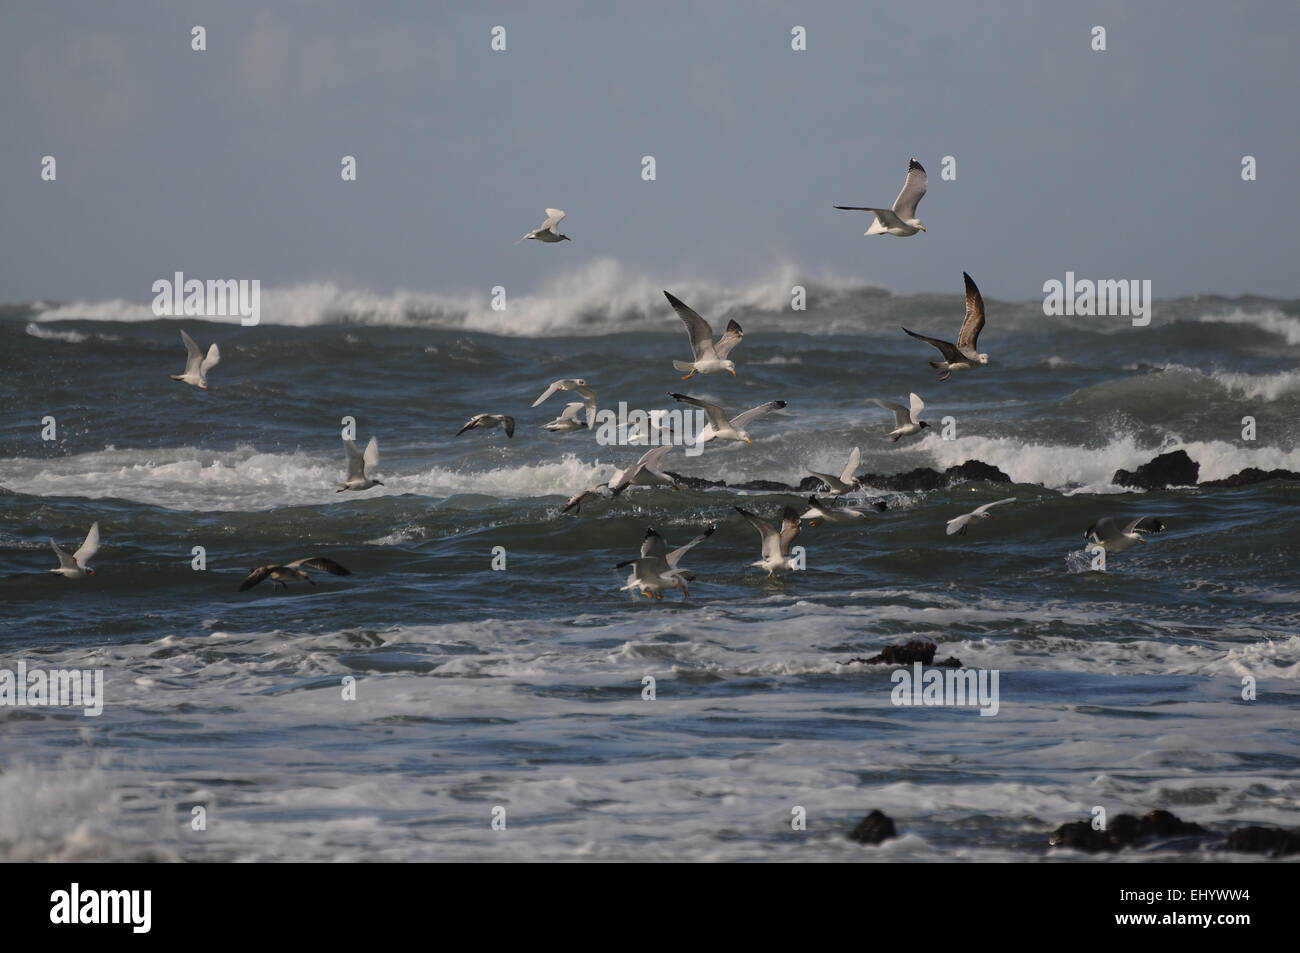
column 1125, row 830
column 927, row 478
column 1252, row 475
column 873, row 829
column 907, row 653
column 1175, row 468
column 1264, row 840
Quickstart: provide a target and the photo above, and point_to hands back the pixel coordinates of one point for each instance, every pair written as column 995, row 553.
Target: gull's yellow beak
column 921, row 227
column 1141, row 540
column 733, row 373
column 748, row 441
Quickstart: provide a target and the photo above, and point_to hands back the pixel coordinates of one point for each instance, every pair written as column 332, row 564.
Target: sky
column 225, row 163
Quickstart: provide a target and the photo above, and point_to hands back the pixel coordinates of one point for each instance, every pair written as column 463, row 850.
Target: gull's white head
column 916, row 223
column 983, row 358
column 731, row 366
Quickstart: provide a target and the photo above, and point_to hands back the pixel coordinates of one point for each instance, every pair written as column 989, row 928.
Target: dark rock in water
column 1124, row 830
column 908, row 653
column 973, row 470
column 927, row 478
column 1175, row 468
column 922, row 478
column 1252, row 475
column 765, row 486
column 1264, row 840
column 913, row 650
column 1080, row 836
column 694, row 483
column 873, row 829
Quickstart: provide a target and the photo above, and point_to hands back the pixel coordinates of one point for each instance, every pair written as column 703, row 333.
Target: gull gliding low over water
column 579, row 387
column 568, row 420
column 846, row 482
column 907, row 421
column 776, row 543
column 824, row 512
column 360, row 466
column 959, row 524
column 963, row 355
column 710, row 358
column 719, row 427
column 488, row 421
column 1107, row 534
column 196, row 365
column 295, row 571
column 657, row 568
column 73, row 566
column 900, row 220
column 643, row 473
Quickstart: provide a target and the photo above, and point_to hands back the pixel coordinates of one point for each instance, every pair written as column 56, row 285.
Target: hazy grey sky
column 225, row 163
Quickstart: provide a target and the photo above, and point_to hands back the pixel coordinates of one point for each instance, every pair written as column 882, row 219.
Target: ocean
column 432, row 707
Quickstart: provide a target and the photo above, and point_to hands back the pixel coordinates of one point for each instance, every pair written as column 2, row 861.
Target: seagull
column 657, row 569
column 575, row 502
column 901, row 220
column 958, row 524
column 710, row 358
column 776, row 545
column 579, row 386
column 963, row 355
column 1106, row 534
column 643, row 473
column 846, row 482
column 907, row 422
column 196, row 365
column 550, row 229
column 360, row 467
column 488, row 421
column 719, row 427
column 568, row 420
column 832, row 514
column 74, row 566
column 292, row 572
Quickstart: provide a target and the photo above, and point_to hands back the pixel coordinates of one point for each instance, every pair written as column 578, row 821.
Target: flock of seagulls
column 657, row 569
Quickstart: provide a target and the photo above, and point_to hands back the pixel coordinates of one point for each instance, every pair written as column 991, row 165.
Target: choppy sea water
column 522, row 688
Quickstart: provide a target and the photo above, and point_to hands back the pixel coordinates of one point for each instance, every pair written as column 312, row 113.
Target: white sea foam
column 601, row 295
column 1271, row 320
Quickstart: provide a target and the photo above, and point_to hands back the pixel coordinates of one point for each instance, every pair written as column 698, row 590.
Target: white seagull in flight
column 958, row 524
column 710, row 358
column 657, row 568
column 549, row 231
column 719, row 427
column 776, row 544
column 907, row 420
column 361, row 466
column 846, row 482
column 900, row 220
column 196, row 365
column 73, row 566
column 579, row 387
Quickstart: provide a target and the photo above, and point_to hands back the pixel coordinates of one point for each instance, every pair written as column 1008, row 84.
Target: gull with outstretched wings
column 963, row 355
column 900, row 220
